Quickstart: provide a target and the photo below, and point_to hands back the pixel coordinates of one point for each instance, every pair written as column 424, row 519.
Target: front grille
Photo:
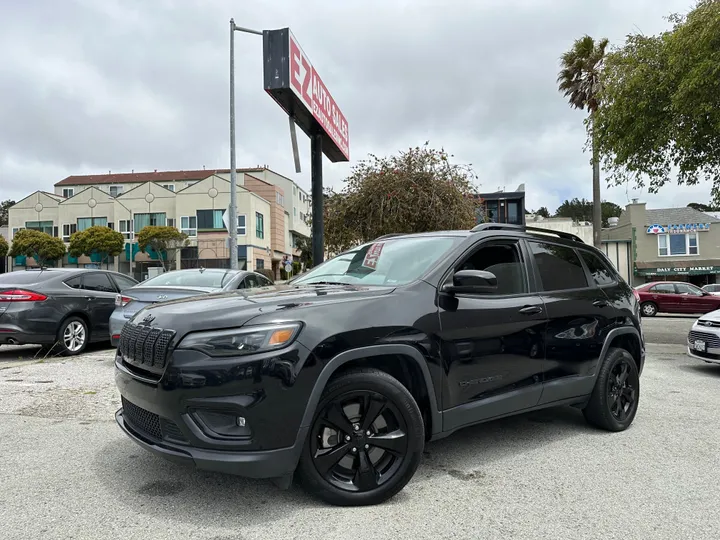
column 150, row 424
column 145, row 346
column 705, row 322
column 711, row 340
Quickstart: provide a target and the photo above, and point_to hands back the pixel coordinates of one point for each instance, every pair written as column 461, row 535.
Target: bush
column 267, row 273
column 296, row 267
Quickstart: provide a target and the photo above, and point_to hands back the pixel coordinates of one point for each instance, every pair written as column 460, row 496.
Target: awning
column 677, row 271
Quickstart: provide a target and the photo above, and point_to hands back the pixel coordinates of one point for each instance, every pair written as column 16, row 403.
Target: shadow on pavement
column 152, row 486
column 703, row 368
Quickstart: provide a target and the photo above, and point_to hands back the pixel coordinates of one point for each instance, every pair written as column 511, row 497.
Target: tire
column 70, row 346
column 648, row 309
column 338, row 447
column 619, row 377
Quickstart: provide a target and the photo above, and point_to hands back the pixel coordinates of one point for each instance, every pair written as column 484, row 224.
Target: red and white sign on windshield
column 372, row 255
column 287, row 67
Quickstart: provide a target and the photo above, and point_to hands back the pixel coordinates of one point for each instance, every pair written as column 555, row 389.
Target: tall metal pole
column 232, row 218
column 318, row 227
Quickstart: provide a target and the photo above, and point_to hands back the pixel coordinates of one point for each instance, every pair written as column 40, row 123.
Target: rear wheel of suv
column 366, row 440
column 615, row 398
column 72, row 337
column 648, row 309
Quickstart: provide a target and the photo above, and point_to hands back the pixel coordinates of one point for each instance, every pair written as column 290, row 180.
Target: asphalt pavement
column 68, row 472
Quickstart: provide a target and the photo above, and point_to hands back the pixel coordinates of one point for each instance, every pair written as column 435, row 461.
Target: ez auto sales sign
column 294, row 83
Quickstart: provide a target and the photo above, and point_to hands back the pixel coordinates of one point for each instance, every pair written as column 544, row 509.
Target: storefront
column 699, row 273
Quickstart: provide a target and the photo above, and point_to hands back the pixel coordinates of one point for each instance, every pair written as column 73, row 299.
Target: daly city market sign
column 296, row 86
column 678, row 271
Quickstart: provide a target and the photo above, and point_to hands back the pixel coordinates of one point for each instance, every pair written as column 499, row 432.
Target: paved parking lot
column 68, row 472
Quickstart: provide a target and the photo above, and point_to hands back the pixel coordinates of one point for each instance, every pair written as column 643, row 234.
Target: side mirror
column 471, row 281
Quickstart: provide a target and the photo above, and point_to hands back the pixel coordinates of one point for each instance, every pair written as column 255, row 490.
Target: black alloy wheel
column 366, row 440
column 616, row 396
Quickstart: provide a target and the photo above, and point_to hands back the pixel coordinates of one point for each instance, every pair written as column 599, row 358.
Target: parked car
column 386, row 346
column 178, row 284
column 712, row 288
column 704, row 338
column 64, row 307
column 675, row 297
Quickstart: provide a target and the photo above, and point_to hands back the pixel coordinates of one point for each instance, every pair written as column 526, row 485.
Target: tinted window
column 124, row 282
column 263, row 281
column 559, row 267
column 97, row 282
column 505, row 261
column 75, row 283
column 251, row 281
column 685, row 288
column 191, row 278
column 391, row 262
column 663, row 288
column 602, row 275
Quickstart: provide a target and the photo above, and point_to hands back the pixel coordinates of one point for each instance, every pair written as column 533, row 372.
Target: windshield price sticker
column 372, row 255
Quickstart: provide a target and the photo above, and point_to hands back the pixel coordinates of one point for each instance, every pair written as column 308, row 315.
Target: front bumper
column 262, row 464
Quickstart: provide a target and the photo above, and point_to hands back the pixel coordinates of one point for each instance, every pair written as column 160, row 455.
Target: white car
column 713, row 288
column 703, row 340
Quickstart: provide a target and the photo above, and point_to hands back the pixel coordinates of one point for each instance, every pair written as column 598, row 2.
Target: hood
column 713, row 316
column 234, row 309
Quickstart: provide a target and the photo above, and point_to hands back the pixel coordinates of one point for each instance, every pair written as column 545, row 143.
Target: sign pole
column 316, row 153
column 232, row 218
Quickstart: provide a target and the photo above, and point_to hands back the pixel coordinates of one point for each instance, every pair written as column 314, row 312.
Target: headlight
column 242, row 341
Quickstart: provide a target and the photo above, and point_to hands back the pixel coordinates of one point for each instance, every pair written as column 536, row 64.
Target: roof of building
column 142, row 177
column 668, row 216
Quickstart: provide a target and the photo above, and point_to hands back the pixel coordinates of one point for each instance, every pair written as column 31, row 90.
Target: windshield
column 712, row 288
column 390, row 262
column 191, row 278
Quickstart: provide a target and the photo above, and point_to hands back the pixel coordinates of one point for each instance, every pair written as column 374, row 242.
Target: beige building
column 192, row 201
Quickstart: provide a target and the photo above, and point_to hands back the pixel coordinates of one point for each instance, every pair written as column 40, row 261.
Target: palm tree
column 579, row 81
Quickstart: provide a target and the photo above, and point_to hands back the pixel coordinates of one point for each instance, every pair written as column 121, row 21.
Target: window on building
column 125, row 226
column 67, row 231
column 156, row 219
column 242, row 225
column 86, row 223
column 188, row 225
column 294, row 191
column 601, row 273
column 190, row 183
column 170, row 187
column 259, row 265
column 279, row 198
column 68, row 192
column 259, row 225
column 170, row 222
column 42, row 226
column 115, row 190
column 294, row 211
column 678, row 244
column 209, row 220
column 15, row 230
column 559, row 267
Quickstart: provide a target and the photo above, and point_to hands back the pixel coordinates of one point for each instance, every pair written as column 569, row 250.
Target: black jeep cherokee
column 345, row 373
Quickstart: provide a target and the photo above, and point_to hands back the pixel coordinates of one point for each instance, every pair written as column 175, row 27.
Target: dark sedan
column 64, row 307
column 179, row 284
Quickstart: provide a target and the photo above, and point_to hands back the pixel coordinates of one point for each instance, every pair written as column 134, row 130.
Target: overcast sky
column 88, row 86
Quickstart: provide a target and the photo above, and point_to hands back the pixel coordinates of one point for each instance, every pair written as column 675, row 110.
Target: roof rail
column 513, row 227
column 384, row 236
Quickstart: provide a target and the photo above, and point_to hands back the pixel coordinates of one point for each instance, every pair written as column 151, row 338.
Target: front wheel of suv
column 366, row 440
column 615, row 398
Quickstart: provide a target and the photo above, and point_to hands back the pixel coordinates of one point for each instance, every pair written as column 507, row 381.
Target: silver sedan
column 175, row 285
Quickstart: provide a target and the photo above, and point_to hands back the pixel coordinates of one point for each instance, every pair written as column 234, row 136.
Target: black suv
column 347, row 371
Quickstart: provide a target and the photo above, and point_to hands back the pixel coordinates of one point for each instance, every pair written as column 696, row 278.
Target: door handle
column 89, row 298
column 530, row 310
column 600, row 303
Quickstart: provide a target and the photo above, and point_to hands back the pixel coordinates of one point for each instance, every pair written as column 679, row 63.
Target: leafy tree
column 579, row 81
column 305, row 247
column 5, row 211
column 660, row 109
column 542, row 211
column 97, row 239
column 4, row 248
column 165, row 241
column 414, row 191
column 704, row 207
column 582, row 210
column 36, row 244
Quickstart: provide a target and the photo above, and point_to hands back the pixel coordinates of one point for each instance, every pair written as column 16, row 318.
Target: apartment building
column 192, row 201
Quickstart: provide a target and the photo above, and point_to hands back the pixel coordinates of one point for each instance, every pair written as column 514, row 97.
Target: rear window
column 24, row 277
column 193, row 278
column 601, row 273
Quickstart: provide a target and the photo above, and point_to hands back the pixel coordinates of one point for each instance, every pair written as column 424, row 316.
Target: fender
column 367, row 352
column 615, row 332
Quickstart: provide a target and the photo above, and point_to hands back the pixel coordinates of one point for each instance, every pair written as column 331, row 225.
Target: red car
column 675, row 297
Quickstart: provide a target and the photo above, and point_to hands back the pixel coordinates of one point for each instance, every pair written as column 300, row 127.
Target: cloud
column 116, row 85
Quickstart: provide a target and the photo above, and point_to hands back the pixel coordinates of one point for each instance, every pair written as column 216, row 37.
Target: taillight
column 21, row 295
column 122, row 301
